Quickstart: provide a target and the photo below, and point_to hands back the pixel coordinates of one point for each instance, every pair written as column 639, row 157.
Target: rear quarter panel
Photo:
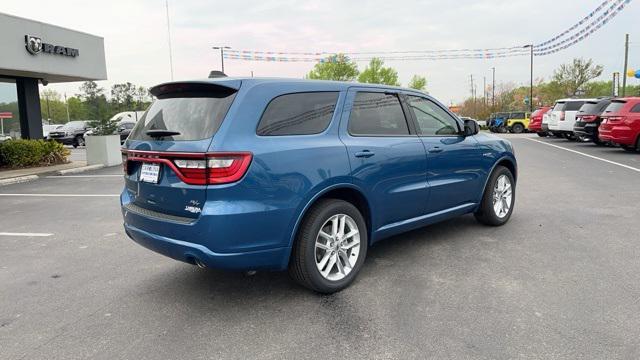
column 286, row 172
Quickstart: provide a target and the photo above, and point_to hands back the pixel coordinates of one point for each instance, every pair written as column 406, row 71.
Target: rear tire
column 320, row 245
column 569, row 136
column 492, row 212
column 558, row 135
column 517, row 128
column 542, row 134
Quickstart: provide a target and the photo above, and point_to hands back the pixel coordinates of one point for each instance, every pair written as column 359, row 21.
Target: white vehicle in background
column 127, row 116
column 563, row 116
column 481, row 123
column 46, row 129
column 4, row 137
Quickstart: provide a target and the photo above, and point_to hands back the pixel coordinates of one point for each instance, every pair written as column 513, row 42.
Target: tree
column 123, row 96
column 418, row 82
column 95, row 101
column 573, row 76
column 376, row 73
column 338, row 67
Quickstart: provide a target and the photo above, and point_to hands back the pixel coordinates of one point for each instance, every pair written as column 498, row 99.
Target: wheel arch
column 347, row 192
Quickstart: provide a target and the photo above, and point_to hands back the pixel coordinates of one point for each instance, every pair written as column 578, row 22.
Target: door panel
column 386, row 160
column 454, row 162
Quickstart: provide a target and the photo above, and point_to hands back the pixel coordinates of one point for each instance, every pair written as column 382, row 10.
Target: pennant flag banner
column 593, row 22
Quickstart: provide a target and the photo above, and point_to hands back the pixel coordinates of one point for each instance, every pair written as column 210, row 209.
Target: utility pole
column 473, row 96
column 531, row 83
column 484, row 91
column 626, row 63
column 493, row 90
column 66, row 103
column 221, row 54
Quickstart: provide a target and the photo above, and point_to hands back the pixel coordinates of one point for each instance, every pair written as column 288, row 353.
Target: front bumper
column 66, row 140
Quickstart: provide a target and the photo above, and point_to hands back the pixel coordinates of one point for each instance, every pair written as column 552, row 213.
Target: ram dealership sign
column 35, row 46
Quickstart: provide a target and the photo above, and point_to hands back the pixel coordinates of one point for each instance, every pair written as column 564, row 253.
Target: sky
column 136, row 42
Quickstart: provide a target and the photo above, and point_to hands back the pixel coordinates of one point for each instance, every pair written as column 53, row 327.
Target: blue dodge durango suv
column 247, row 173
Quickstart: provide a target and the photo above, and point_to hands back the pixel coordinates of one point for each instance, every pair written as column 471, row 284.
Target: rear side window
column 517, row 115
column 377, row 114
column 573, row 105
column 298, row 114
column 636, row 108
column 195, row 115
column 614, row 107
column 559, row 106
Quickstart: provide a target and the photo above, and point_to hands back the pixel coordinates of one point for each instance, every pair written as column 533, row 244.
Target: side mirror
column 471, row 127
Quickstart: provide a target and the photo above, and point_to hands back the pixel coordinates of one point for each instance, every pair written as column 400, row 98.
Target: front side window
column 298, row 114
column 377, row 114
column 432, row 119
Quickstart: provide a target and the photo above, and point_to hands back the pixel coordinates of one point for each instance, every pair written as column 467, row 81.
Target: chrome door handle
column 435, row 149
column 364, row 154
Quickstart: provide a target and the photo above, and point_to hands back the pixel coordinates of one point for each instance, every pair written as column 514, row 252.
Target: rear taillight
column 561, row 115
column 588, row 118
column 197, row 168
column 124, row 162
column 216, row 168
column 615, row 118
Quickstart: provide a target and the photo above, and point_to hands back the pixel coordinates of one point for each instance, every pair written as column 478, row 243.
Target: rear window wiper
column 162, row 133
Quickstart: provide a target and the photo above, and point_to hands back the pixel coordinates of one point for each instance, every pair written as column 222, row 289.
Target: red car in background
column 621, row 123
column 535, row 122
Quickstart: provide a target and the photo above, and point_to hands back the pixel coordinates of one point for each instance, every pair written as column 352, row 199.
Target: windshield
column 195, row 115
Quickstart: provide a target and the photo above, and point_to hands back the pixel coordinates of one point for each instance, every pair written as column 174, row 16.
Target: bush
column 22, row 153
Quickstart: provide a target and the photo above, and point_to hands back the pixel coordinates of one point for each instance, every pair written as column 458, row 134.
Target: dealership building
column 33, row 53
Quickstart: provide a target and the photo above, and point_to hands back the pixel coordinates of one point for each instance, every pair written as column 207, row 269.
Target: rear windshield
column 573, row 105
column 615, row 107
column 195, row 115
column 559, row 106
column 593, row 108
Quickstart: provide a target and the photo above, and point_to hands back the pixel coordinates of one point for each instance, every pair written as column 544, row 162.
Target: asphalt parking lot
column 560, row 280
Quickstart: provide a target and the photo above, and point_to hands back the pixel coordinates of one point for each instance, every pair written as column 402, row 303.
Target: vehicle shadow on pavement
column 212, row 288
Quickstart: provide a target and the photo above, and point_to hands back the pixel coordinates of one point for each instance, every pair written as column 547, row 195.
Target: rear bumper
column 623, row 135
column 272, row 259
column 586, row 129
column 234, row 236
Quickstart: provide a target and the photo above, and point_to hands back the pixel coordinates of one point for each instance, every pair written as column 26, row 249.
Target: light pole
column 221, row 54
column 493, row 90
column 531, row 83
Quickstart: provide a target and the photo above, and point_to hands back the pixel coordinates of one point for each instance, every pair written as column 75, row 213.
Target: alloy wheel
column 502, row 196
column 337, row 247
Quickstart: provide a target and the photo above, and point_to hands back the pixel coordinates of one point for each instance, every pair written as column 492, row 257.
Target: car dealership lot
column 560, row 280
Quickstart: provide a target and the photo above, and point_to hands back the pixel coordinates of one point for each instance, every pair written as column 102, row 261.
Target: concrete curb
column 18, row 179
column 79, row 169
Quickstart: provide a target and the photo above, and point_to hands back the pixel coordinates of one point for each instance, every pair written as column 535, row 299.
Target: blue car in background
column 248, row 173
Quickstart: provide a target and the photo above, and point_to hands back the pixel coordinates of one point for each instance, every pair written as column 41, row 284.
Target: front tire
column 498, row 199
column 79, row 141
column 330, row 247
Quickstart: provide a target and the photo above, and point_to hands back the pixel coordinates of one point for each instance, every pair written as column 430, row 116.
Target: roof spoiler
column 216, row 74
column 204, row 86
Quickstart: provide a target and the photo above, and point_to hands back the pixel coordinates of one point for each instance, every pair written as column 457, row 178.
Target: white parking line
column 587, row 155
column 63, row 195
column 25, row 234
column 82, row 176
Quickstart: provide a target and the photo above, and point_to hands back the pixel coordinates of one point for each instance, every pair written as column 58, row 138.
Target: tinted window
column 431, row 118
column 517, row 115
column 377, row 114
column 590, row 107
column 615, row 106
column 573, row 105
column 635, row 108
column 298, row 114
column 195, row 115
column 558, row 106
